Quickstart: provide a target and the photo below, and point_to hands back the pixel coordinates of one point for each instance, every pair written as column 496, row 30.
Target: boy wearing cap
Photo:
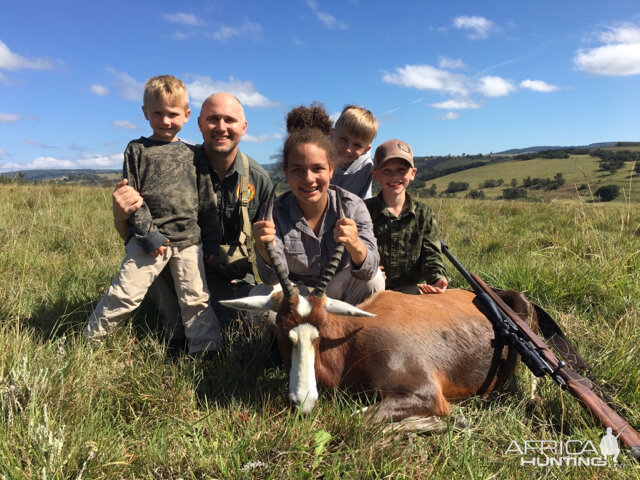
column 408, row 242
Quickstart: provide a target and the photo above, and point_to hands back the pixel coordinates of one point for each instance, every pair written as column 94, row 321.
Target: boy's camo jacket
column 409, row 245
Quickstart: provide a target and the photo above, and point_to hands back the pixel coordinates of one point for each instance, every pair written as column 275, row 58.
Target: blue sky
column 447, row 77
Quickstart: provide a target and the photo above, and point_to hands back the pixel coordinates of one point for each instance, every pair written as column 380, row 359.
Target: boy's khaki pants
column 137, row 273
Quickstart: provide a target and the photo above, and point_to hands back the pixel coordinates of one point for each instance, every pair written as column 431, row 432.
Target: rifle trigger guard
column 561, row 364
column 561, row 381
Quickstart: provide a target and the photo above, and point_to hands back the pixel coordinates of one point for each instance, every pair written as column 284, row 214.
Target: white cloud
column 127, row 86
column 326, row 18
column 183, row 19
column 47, row 162
column 451, row 116
column 261, row 138
column 456, row 105
column 495, row 86
column 98, row 89
column 477, row 27
column 614, row 60
column 619, row 56
column 201, row 86
column 452, row 63
column 12, row 61
column 34, row 143
column 9, row 118
column 11, row 167
column 247, row 29
column 125, row 124
column 225, row 33
column 538, row 86
column 86, row 161
column 426, row 77
column 623, row 33
column 100, row 161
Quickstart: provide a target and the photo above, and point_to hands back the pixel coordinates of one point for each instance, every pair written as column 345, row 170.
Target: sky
column 455, row 77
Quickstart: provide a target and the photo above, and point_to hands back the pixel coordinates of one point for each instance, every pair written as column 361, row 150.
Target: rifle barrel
column 541, row 360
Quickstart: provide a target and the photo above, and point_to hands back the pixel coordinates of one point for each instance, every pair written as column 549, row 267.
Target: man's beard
column 223, row 149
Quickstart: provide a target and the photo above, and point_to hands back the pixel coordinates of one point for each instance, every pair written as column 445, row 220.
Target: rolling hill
column 487, row 175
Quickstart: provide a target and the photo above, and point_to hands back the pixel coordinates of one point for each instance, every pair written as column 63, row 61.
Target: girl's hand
column 264, row 232
column 346, row 231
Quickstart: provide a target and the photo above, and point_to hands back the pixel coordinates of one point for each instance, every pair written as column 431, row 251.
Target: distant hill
column 429, row 167
column 548, row 175
column 515, row 151
column 86, row 175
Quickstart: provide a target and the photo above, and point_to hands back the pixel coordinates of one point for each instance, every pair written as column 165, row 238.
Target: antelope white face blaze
column 304, row 307
column 303, row 390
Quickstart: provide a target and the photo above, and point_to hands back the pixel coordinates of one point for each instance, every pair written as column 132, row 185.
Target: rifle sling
column 579, row 386
column 552, row 332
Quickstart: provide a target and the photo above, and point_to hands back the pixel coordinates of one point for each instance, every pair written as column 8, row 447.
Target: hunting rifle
column 539, row 358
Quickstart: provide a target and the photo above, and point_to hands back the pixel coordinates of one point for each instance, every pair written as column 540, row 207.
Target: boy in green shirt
column 408, row 242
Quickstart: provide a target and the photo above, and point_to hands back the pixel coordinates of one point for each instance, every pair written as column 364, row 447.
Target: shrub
column 514, row 193
column 475, row 195
column 608, row 192
column 457, row 187
column 491, row 183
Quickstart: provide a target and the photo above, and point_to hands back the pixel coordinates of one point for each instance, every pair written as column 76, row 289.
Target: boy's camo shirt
column 166, row 177
column 409, row 245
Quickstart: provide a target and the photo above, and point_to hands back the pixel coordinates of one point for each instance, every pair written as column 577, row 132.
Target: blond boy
column 165, row 230
column 353, row 133
column 406, row 231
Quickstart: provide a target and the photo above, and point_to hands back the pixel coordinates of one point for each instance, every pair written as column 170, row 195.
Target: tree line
column 613, row 160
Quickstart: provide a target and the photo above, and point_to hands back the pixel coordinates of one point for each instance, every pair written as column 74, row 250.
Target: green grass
column 581, row 173
column 124, row 410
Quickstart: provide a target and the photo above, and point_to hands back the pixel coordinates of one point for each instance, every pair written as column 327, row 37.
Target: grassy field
column 581, row 173
column 126, row 410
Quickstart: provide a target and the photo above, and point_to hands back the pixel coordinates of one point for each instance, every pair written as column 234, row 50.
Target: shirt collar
column 410, row 210
column 328, row 219
column 356, row 164
column 236, row 166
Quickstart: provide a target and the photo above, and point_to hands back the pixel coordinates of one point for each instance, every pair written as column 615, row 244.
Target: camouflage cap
column 393, row 149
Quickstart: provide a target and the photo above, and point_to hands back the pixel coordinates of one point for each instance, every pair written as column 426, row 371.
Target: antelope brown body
column 418, row 352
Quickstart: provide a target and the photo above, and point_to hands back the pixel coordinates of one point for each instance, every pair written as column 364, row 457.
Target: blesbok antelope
column 417, row 351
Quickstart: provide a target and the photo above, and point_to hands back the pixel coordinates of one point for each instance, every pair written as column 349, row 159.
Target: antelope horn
column 288, row 289
column 332, row 266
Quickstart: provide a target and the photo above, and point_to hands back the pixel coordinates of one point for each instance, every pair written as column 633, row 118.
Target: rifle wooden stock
column 580, row 387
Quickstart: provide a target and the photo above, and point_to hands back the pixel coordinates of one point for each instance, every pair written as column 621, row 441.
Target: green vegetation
column 124, row 410
column 454, row 187
column 568, row 176
column 79, row 176
column 613, row 160
column 608, row 192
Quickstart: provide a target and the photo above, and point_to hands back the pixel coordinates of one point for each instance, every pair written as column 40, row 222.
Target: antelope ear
column 338, row 307
column 256, row 304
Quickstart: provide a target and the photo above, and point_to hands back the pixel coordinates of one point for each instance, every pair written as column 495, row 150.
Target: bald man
column 221, row 167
